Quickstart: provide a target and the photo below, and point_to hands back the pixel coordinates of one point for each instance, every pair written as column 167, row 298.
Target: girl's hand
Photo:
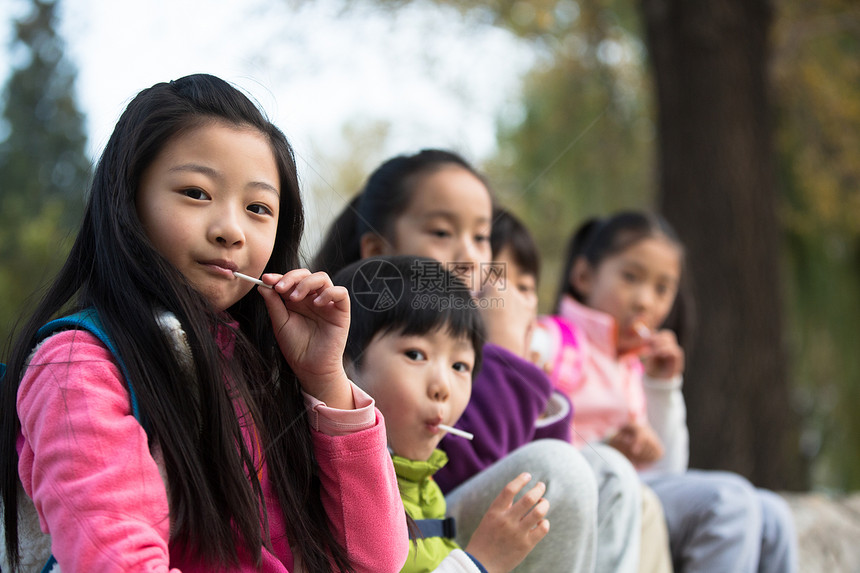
column 310, row 317
column 639, row 443
column 509, row 531
column 663, row 357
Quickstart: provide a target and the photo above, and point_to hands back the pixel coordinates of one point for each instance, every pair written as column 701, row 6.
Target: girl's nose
column 469, row 252
column 468, row 260
column 226, row 229
column 644, row 297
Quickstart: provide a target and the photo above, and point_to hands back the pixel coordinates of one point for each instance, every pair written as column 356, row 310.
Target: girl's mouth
column 220, row 268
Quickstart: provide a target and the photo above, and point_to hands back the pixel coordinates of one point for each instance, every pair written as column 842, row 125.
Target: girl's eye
column 415, row 355
column 482, row 238
column 259, row 209
column 440, row 233
column 462, row 367
column 628, row 277
column 663, row 290
column 195, row 193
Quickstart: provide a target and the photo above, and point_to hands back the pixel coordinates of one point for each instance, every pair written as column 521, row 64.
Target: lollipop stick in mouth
column 642, row 330
column 456, row 432
column 251, row 279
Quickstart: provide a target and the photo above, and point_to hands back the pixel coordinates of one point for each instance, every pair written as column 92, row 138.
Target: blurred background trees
column 740, row 121
column 43, row 165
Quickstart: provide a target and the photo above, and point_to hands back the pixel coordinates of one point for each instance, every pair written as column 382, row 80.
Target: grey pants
column 619, row 509
column 571, row 491
column 719, row 522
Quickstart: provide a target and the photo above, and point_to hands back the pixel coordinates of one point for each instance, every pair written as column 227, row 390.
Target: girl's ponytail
column 576, row 247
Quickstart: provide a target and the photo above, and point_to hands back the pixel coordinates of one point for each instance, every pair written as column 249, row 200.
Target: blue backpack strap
column 49, row 565
column 88, row 319
column 437, row 527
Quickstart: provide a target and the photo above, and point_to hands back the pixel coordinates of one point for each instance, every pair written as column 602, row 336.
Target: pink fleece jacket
column 86, row 464
column 613, row 395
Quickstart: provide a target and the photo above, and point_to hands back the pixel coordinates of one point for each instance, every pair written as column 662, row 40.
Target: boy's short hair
column 508, row 231
column 407, row 295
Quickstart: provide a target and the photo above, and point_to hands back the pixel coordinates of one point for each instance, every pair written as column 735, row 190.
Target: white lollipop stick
column 456, row 432
column 642, row 330
column 251, row 279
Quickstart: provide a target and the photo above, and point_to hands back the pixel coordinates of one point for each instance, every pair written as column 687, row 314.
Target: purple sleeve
column 508, row 396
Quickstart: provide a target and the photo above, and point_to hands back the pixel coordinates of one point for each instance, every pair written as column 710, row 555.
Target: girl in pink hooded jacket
column 622, row 369
column 245, row 446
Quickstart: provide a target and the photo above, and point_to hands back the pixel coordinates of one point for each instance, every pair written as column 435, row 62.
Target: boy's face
column 418, row 382
column 518, row 279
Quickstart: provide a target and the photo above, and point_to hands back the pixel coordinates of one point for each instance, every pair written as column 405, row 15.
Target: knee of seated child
column 731, row 494
column 561, row 467
column 776, row 514
column 614, row 466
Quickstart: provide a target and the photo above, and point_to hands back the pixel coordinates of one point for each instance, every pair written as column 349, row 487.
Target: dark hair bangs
column 413, row 311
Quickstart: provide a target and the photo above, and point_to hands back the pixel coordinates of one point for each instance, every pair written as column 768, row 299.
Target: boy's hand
column 509, row 531
column 663, row 358
column 310, row 317
column 639, row 443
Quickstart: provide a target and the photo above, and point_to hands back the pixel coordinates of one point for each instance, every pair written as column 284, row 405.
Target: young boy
column 416, row 351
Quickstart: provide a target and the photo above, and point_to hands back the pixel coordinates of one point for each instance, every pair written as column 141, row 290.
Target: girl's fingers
column 284, row 283
column 271, row 279
column 301, row 282
column 337, row 295
column 311, row 285
column 278, row 313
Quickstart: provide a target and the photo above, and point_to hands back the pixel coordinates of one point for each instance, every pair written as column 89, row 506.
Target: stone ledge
column 828, row 531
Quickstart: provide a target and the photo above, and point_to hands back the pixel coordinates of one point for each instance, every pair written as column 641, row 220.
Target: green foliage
column 586, row 142
column 816, row 76
column 43, row 165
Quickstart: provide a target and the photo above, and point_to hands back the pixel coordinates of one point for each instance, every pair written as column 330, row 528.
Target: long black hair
column 407, row 295
column 385, row 196
column 596, row 239
column 214, row 494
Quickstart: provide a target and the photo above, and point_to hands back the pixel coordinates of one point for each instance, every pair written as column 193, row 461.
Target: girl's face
column 418, row 382
column 448, row 219
column 209, row 203
column 637, row 285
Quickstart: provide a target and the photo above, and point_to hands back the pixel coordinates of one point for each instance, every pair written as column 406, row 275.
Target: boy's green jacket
column 423, row 499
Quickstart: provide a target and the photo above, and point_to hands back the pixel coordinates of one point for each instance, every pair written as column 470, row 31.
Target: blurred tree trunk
column 717, row 187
